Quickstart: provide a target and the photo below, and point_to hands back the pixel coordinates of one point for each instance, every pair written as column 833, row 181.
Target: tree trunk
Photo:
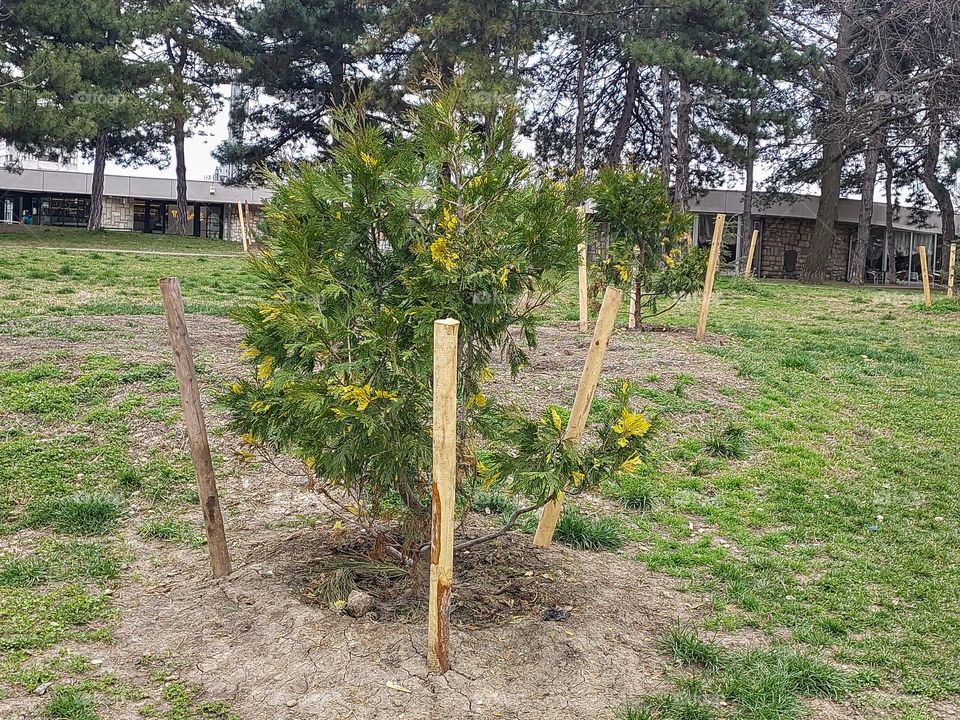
column 666, row 126
column 937, row 188
column 581, row 104
column 95, row 221
column 684, row 123
column 888, row 234
column 179, row 137
column 871, row 161
column 817, row 262
column 746, row 223
column 623, row 125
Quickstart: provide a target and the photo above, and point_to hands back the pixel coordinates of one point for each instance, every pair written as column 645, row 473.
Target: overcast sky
column 199, row 149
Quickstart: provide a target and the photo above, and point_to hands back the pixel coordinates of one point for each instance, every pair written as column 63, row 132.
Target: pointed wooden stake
column 589, row 378
column 445, row 334
column 711, row 276
column 243, row 227
column 196, row 427
column 748, row 271
column 925, row 271
column 952, row 270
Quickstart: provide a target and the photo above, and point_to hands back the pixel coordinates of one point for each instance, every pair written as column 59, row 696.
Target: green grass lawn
column 36, row 283
column 828, row 489
column 841, row 525
column 56, row 237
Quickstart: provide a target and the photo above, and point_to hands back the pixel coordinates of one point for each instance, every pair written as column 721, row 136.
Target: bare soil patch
column 262, row 641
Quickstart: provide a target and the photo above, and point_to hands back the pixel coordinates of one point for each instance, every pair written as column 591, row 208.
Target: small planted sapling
column 647, row 248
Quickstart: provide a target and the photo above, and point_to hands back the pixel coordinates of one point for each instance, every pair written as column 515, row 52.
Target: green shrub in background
column 647, row 236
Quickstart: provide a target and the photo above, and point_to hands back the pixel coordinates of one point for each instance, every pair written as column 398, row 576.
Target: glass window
column 211, row 220
column 172, row 214
column 902, row 248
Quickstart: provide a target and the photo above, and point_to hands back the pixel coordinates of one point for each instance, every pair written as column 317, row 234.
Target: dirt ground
column 257, row 641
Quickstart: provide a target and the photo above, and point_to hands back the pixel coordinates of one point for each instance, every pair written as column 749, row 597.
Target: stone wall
column 117, row 213
column 784, row 235
column 231, row 230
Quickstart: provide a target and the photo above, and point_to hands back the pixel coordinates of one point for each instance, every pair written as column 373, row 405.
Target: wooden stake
column 711, row 274
column 753, row 248
column 952, row 268
column 633, row 314
column 243, row 227
column 582, row 288
column 196, row 427
column 589, row 378
column 444, row 491
column 926, row 274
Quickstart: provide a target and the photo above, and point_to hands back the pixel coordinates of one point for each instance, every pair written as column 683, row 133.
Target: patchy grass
column 86, row 513
column 69, row 703
column 836, row 536
column 758, row 684
column 730, row 443
column 588, row 533
column 170, row 530
column 66, row 482
column 635, row 492
column 840, row 528
column 54, row 561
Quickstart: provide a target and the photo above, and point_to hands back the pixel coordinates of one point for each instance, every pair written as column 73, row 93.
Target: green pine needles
column 648, row 240
column 365, row 253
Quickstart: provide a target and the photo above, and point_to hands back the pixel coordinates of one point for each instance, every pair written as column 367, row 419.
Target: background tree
column 189, row 41
column 80, row 85
column 303, row 59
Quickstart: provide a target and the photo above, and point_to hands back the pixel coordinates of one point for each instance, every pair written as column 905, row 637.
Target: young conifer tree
column 364, row 254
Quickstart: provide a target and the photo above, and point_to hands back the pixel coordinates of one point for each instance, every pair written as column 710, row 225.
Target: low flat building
column 786, row 229
column 62, row 198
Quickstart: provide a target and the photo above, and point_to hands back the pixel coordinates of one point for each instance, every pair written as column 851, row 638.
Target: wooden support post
column 926, row 274
column 589, row 378
column 952, row 270
column 196, row 427
column 444, row 491
column 711, row 275
column 748, row 271
column 582, row 288
column 243, row 227
column 633, row 312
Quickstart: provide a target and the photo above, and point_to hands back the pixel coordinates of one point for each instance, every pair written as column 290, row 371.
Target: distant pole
column 951, row 274
column 589, row 378
column 926, row 274
column 582, row 287
column 445, row 334
column 753, row 248
column 196, row 427
column 243, row 227
column 711, row 275
column 582, row 275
